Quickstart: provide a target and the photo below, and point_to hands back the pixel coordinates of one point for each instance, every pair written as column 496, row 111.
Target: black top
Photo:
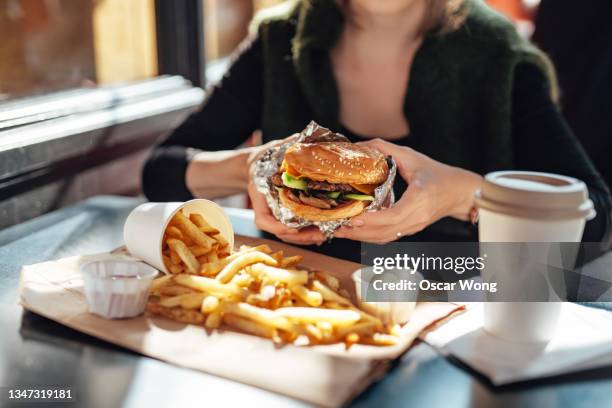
column 578, row 38
column 542, row 142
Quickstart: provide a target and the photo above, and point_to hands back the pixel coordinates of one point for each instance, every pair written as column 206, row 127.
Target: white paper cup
column 392, row 312
column 116, row 289
column 144, row 228
column 528, row 207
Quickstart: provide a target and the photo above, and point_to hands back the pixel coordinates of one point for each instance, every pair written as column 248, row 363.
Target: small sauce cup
column 391, row 312
column 117, row 289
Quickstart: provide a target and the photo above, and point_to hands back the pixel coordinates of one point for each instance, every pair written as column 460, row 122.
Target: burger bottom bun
column 308, row 212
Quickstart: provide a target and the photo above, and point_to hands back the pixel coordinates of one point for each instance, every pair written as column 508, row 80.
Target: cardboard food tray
column 325, row 375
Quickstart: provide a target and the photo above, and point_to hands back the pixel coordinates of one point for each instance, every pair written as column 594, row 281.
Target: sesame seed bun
column 348, row 210
column 338, row 162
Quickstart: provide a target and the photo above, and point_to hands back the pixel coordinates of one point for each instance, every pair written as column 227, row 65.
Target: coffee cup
column 539, row 211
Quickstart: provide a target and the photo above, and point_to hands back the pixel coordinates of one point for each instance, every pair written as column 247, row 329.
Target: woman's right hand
column 265, row 220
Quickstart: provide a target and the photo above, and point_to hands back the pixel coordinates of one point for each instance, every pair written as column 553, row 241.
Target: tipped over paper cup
column 144, row 228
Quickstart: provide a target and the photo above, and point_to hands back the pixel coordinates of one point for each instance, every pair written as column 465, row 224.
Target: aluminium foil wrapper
column 270, row 161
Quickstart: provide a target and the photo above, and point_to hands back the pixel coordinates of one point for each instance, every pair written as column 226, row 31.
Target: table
column 38, row 351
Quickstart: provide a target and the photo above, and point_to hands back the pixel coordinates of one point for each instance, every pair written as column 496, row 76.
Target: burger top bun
column 338, row 162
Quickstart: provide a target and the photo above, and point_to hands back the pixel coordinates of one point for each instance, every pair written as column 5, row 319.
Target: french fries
column 250, row 258
column 201, row 223
column 182, row 252
column 191, row 244
column 256, row 291
column 207, row 285
column 310, row 297
column 191, row 231
column 290, row 277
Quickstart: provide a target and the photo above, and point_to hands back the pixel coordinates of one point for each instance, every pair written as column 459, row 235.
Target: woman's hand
column 265, row 220
column 435, row 190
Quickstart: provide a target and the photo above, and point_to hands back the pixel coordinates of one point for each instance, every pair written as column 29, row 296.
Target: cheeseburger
column 329, row 179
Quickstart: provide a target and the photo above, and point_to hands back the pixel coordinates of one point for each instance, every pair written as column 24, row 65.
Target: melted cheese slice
column 364, row 188
column 290, row 170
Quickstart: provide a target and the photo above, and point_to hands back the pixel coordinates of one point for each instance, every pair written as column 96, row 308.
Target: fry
column 290, row 261
column 191, row 231
column 174, row 258
column 242, row 261
column 213, row 257
column 201, row 223
column 364, row 315
column 213, row 268
column 328, row 280
column 180, row 315
column 290, row 277
column 265, row 248
column 160, row 282
column 192, row 300
column 242, row 279
column 183, row 253
column 219, row 238
column 351, row 339
column 175, row 269
column 174, row 232
column 310, row 297
column 326, row 329
column 278, row 255
column 361, row 328
column 313, row 315
column 213, row 321
column 169, row 302
column 249, row 327
column 313, row 331
column 197, row 250
column 173, row 290
column 257, row 314
column 329, row 294
column 380, row 339
column 207, row 285
column 210, row 304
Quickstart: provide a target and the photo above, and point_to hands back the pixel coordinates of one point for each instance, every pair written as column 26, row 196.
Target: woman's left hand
column 435, row 190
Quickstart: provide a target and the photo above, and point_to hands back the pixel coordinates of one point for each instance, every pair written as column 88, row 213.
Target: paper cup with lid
column 144, row 228
column 538, row 211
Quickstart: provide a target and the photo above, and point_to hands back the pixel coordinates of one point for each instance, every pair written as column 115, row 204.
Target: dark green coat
column 458, row 102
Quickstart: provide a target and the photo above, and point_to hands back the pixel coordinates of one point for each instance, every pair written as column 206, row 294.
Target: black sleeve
column 229, row 114
column 544, row 142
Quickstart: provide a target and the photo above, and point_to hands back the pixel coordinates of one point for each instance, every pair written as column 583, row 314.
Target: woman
column 446, row 86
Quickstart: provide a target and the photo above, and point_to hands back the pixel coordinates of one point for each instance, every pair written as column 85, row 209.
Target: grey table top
column 37, row 351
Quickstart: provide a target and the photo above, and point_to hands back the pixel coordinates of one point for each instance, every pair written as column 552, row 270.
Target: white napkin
column 583, row 340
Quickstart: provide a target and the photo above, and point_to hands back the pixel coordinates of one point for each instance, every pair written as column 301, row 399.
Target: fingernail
column 357, row 223
column 292, row 231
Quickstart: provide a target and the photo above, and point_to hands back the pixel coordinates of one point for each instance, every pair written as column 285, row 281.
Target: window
column 226, row 24
column 87, row 88
column 49, row 45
